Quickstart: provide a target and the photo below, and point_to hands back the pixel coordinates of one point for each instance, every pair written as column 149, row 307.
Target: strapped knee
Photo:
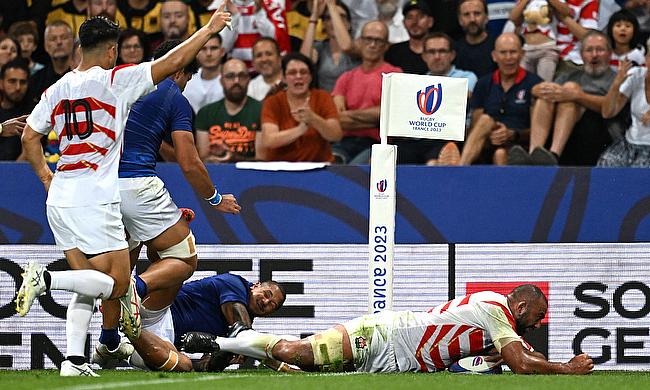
column 328, row 350
column 171, row 363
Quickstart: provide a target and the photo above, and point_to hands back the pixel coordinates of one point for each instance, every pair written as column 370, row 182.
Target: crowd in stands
column 551, row 82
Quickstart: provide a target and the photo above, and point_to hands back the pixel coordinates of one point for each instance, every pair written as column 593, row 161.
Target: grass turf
column 268, row 380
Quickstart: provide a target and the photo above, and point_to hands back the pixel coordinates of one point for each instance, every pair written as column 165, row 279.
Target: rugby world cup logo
column 430, row 99
column 382, row 185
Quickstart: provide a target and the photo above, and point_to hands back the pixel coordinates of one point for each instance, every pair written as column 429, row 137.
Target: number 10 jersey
column 88, row 111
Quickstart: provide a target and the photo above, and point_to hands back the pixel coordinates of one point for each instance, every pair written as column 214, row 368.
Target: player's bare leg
column 299, row 353
column 157, row 286
column 170, row 270
column 159, row 354
column 87, row 284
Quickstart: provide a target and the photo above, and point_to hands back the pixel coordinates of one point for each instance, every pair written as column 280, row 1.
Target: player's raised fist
column 220, row 18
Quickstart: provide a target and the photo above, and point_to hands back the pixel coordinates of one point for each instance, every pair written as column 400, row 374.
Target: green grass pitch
column 268, row 380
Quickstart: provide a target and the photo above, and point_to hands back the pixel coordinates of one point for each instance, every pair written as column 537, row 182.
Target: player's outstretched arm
column 522, row 361
column 33, row 152
column 196, row 174
column 184, row 53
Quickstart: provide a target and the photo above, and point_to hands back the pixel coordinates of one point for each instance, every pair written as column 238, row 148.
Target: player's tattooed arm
column 236, row 312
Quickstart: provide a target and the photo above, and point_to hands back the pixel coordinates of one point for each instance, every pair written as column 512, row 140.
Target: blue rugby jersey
column 152, row 118
column 197, row 306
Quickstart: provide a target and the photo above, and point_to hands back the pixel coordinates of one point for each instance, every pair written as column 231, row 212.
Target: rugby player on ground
column 210, row 305
column 413, row 341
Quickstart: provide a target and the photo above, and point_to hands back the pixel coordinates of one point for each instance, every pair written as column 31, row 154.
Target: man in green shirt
column 226, row 130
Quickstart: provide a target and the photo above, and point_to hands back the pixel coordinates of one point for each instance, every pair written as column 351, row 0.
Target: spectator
column 474, row 50
column 387, row 12
column 439, row 55
column 630, row 84
column 253, row 19
column 105, row 8
column 75, row 12
column 206, row 87
column 72, row 12
column 299, row 21
column 174, row 20
column 363, row 11
column 334, row 55
column 541, row 53
column 407, row 55
column 561, row 104
column 640, row 9
column 357, row 95
column 59, row 44
column 446, row 17
column 142, row 15
column 174, row 23
column 571, row 28
column 131, row 47
column 268, row 64
column 13, row 90
column 500, row 105
column 299, row 123
column 227, row 130
column 9, row 49
column 26, row 34
column 624, row 34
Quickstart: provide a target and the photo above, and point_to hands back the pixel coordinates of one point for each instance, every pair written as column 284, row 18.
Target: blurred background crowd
column 551, row 82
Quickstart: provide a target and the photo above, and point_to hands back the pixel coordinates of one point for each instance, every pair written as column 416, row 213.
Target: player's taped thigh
column 183, row 250
column 328, row 350
column 171, row 362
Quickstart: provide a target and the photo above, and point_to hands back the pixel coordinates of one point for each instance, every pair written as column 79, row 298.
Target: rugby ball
column 475, row 365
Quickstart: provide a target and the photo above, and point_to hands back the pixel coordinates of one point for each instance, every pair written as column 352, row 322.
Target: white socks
column 80, row 311
column 85, row 282
column 250, row 343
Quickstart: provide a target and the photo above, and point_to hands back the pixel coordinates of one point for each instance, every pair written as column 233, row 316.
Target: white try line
column 152, row 382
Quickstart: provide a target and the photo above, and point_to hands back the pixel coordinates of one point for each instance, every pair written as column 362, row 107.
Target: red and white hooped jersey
column 88, row 111
column 585, row 13
column 431, row 341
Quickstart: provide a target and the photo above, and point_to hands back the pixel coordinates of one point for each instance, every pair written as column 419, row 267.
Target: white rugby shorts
column 91, row 229
column 371, row 342
column 158, row 322
column 147, row 208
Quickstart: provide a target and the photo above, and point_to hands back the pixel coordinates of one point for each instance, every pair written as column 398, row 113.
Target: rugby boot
column 33, row 286
column 130, row 321
column 106, row 358
column 70, row 369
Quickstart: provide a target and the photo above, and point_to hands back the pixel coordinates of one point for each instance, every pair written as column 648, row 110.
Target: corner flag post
column 408, row 105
